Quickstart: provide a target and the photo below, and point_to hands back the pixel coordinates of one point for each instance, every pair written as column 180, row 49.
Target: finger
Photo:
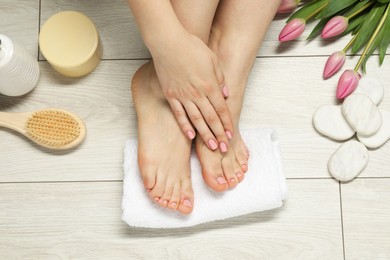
column 220, row 77
column 181, row 118
column 198, row 121
column 223, row 112
column 213, row 121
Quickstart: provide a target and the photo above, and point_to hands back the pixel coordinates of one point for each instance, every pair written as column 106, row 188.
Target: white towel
column 263, row 188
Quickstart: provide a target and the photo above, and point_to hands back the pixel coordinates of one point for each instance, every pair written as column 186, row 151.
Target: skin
column 237, row 30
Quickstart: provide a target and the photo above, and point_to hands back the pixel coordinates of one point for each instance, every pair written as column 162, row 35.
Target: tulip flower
column 287, row 6
column 348, row 82
column 336, row 26
column 334, row 64
column 292, row 30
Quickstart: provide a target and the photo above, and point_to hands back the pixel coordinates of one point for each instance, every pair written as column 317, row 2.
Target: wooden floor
column 66, row 205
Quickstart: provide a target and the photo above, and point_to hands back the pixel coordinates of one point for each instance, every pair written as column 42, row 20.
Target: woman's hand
column 193, row 84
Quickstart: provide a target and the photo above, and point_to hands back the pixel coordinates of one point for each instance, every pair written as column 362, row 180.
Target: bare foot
column 163, row 150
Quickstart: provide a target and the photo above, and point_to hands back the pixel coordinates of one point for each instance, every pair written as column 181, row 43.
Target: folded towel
column 263, row 188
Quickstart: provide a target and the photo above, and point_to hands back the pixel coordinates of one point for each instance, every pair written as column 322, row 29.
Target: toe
column 238, row 171
column 149, row 177
column 229, row 172
column 166, row 197
column 175, row 198
column 158, row 190
column 187, row 197
column 242, row 156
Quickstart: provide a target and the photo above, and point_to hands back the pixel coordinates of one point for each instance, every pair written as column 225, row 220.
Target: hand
column 193, row 84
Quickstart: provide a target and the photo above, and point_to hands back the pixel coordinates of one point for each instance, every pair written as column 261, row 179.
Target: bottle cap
column 70, row 43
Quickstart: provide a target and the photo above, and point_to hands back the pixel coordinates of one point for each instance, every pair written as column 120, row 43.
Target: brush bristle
column 53, row 128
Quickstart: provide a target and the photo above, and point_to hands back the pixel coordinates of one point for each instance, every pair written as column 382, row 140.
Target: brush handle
column 14, row 121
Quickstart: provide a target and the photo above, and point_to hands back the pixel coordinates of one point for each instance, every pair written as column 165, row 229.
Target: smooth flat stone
column 372, row 88
column 362, row 114
column 380, row 137
column 329, row 121
column 348, row 161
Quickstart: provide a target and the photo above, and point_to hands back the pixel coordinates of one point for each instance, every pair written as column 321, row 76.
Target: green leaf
column 334, row 7
column 357, row 7
column 385, row 40
column 383, row 1
column 308, row 10
column 318, row 28
column 373, row 47
column 355, row 23
column 368, row 27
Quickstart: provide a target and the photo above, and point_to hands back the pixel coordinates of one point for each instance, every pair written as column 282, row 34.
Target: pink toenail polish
column 223, row 147
column 187, row 203
column 244, row 168
column 221, row 180
column 212, row 144
column 232, row 180
column 156, row 199
column 190, row 134
column 239, row 175
column 229, row 134
column 173, row 204
column 165, row 202
column 225, row 91
column 149, row 190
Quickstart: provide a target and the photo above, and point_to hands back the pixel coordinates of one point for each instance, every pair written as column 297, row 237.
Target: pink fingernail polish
column 187, row 203
column 229, row 134
column 221, row 180
column 225, row 91
column 212, row 144
column 223, row 147
column 190, row 134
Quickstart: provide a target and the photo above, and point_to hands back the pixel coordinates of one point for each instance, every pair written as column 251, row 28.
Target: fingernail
column 173, row 204
column 225, row 91
column 191, row 134
column 239, row 175
column 187, row 203
column 213, row 145
column 223, row 147
column 229, row 134
column 221, row 180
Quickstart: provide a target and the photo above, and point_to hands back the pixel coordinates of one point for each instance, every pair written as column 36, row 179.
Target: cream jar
column 70, row 43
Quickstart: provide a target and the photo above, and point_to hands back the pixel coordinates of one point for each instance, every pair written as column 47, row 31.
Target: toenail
column 187, row 203
column 229, row 134
column 156, row 199
column 232, row 180
column 190, row 134
column 239, row 175
column 149, row 190
column 165, row 202
column 173, row 204
column 213, row 145
column 223, row 147
column 221, row 180
column 244, row 168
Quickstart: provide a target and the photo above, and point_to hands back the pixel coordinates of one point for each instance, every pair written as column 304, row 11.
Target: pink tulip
column 336, row 26
column 334, row 64
column 292, row 30
column 287, row 6
column 348, row 82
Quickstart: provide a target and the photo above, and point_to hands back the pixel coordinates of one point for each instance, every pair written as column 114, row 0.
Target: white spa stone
column 380, row 137
column 362, row 114
column 329, row 121
column 372, row 88
column 348, row 161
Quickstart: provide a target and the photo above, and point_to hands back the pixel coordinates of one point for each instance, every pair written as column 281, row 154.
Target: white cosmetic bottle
column 19, row 71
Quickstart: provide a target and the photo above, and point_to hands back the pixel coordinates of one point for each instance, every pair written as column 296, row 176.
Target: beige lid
column 68, row 39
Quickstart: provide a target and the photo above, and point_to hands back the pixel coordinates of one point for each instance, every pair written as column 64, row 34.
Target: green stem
column 375, row 34
column 364, row 7
column 350, row 43
column 317, row 11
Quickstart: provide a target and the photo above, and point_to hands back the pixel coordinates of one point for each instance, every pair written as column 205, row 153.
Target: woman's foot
column 163, row 150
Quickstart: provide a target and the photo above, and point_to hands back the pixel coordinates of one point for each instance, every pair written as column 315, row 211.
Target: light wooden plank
column 83, row 220
column 366, row 214
column 19, row 20
column 103, row 100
